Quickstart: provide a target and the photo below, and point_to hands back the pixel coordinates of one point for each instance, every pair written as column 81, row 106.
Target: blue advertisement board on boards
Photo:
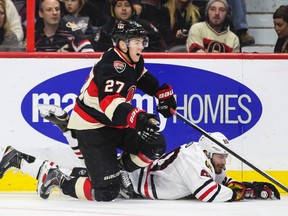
column 212, row 101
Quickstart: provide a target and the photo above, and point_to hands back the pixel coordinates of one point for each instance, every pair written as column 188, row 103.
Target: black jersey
column 105, row 98
column 61, row 42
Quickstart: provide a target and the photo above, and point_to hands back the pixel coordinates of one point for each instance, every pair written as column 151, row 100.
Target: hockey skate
column 11, row 159
column 43, row 172
column 53, row 180
column 126, row 188
column 54, row 114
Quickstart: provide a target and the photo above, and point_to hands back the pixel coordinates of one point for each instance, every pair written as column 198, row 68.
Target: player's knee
column 106, row 194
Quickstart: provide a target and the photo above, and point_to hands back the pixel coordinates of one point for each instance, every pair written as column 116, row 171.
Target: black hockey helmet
column 127, row 29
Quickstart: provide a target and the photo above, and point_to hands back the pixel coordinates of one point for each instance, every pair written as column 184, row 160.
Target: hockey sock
column 78, row 188
column 73, row 142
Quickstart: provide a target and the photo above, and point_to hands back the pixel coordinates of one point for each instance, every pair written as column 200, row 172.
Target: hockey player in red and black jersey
column 104, row 119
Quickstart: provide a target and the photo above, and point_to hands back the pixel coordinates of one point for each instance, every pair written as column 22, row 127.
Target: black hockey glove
column 238, row 190
column 166, row 100
column 261, row 190
column 144, row 123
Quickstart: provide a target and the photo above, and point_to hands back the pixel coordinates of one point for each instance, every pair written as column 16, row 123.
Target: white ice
column 29, row 204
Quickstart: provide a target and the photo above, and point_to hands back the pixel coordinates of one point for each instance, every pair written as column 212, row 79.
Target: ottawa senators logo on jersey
column 119, row 66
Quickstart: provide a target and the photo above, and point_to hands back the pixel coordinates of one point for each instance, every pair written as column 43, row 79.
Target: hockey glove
column 144, row 123
column 166, row 100
column 261, row 190
column 238, row 190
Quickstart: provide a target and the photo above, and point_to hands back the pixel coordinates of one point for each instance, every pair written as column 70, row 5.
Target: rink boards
column 241, row 96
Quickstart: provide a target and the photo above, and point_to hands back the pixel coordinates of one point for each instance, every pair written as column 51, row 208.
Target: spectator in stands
column 123, row 10
column 150, row 11
column 8, row 39
column 14, row 19
column 213, row 35
column 240, row 25
column 21, row 9
column 97, row 10
column 73, row 7
column 51, row 38
column 201, row 4
column 177, row 16
column 280, row 18
column 73, row 20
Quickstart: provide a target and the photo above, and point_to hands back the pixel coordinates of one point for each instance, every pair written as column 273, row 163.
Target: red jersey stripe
column 207, row 192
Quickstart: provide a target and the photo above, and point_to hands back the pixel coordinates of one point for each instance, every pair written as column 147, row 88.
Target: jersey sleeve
column 146, row 81
column 195, row 39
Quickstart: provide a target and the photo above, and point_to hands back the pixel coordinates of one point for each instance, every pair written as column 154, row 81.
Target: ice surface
column 29, row 204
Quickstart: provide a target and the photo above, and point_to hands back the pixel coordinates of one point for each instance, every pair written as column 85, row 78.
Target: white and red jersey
column 180, row 173
column 203, row 38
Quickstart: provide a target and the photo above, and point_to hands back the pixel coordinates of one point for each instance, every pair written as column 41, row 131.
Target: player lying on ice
column 194, row 169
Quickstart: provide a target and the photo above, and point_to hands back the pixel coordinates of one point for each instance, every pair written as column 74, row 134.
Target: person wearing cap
column 213, row 34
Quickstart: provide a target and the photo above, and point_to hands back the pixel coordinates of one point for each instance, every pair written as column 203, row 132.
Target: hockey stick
column 228, row 150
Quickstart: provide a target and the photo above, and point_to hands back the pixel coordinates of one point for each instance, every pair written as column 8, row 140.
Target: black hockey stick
column 228, row 150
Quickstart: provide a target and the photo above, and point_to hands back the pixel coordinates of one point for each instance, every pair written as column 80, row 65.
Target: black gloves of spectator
column 166, row 100
column 260, row 190
column 144, row 123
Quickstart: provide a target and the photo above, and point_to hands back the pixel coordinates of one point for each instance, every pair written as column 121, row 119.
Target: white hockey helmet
column 210, row 147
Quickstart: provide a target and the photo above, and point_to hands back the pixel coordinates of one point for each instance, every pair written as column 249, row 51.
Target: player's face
column 50, row 12
column 136, row 46
column 219, row 161
column 217, row 13
column 281, row 27
column 123, row 10
column 72, row 6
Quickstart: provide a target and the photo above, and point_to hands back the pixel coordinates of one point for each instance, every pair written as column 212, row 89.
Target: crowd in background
column 86, row 25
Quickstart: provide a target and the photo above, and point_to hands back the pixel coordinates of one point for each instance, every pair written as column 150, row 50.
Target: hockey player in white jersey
column 196, row 169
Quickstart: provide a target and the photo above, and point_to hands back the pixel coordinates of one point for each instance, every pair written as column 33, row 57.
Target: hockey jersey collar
column 120, row 54
column 223, row 31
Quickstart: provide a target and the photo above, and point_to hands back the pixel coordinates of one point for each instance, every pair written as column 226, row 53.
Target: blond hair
column 192, row 11
column 6, row 26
